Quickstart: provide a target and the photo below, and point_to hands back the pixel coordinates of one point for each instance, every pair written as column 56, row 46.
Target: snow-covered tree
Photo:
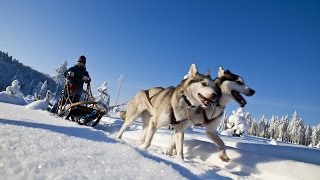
column 253, row 128
column 315, row 136
column 308, row 134
column 223, row 123
column 283, row 127
column 272, row 128
column 59, row 77
column 237, row 123
column 293, row 127
column 43, row 90
column 120, row 84
column 103, row 98
column 263, row 127
column 37, row 89
column 11, row 69
column 249, row 120
column 300, row 132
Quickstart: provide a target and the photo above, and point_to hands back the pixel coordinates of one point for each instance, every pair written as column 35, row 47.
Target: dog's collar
column 186, row 100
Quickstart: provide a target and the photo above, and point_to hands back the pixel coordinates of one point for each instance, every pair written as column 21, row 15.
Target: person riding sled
column 76, row 77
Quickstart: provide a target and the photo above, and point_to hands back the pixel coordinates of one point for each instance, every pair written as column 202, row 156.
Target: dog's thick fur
column 122, row 115
column 230, row 85
column 170, row 106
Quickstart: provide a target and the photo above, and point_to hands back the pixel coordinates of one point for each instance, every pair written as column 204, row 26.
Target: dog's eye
column 204, row 84
column 240, row 82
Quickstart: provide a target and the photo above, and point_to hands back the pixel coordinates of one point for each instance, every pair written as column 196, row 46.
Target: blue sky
column 274, row 45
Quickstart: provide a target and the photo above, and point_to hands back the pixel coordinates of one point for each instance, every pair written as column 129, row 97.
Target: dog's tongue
column 239, row 98
column 204, row 100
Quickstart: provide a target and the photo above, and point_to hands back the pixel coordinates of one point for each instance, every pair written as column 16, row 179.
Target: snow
column 40, row 104
column 38, row 145
column 103, row 98
column 237, row 123
column 12, row 99
column 227, row 132
column 13, row 95
column 273, row 142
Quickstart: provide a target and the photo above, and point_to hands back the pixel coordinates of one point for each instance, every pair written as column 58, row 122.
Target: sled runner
column 84, row 112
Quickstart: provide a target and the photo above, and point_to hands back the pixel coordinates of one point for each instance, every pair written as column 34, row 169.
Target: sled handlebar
column 79, row 78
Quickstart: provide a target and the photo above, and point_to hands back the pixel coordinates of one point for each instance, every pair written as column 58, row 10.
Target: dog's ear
column 220, row 72
column 208, row 73
column 192, row 71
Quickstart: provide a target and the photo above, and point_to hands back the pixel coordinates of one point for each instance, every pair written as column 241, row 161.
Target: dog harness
column 206, row 119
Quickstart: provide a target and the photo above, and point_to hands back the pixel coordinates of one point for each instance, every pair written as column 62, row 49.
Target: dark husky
column 230, row 86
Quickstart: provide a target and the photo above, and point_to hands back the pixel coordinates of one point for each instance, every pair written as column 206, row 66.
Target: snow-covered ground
column 37, row 145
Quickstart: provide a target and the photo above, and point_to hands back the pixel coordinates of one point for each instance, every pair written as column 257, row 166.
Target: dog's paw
column 143, row 146
column 118, row 136
column 224, row 157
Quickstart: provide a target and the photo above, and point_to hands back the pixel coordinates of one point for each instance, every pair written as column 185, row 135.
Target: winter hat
column 82, row 59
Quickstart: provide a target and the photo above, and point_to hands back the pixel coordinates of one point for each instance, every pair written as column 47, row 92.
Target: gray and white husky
column 227, row 86
column 173, row 106
column 230, row 86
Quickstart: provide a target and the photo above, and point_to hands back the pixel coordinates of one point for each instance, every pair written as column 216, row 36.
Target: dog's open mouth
column 204, row 100
column 239, row 98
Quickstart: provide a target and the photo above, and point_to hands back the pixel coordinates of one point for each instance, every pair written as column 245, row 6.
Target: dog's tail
column 122, row 115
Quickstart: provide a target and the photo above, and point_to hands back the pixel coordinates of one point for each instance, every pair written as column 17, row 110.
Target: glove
column 70, row 73
column 86, row 79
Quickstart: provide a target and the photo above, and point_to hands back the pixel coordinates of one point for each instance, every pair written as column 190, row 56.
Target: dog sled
column 84, row 112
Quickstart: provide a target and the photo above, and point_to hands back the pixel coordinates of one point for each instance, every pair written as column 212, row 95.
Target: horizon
column 273, row 45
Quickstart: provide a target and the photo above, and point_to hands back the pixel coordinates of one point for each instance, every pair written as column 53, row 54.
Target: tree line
column 287, row 129
column 32, row 82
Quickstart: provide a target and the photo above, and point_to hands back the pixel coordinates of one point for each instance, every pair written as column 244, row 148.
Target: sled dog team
column 197, row 100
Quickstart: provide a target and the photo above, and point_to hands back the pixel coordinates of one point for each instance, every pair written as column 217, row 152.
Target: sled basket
column 84, row 115
column 85, row 112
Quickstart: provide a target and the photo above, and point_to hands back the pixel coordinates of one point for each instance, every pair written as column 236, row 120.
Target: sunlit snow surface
column 37, row 145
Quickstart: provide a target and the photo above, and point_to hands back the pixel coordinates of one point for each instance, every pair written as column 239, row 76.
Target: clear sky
column 273, row 44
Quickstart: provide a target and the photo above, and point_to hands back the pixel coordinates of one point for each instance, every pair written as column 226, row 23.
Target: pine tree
column 315, row 136
column 262, row 127
column 249, row 120
column 59, row 78
column 293, row 127
column 276, row 127
column 223, row 122
column 11, row 69
column 253, row 128
column 36, row 91
column 300, row 132
column 43, row 90
column 271, row 129
column 120, row 84
column 308, row 134
column 282, row 128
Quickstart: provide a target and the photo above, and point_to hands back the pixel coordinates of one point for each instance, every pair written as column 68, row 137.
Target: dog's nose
column 214, row 96
column 251, row 91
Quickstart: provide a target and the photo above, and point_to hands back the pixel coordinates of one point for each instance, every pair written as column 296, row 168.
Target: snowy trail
column 37, row 145
column 251, row 158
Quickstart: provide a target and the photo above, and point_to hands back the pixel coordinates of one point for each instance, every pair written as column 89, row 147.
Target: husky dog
column 139, row 106
column 170, row 106
column 230, row 86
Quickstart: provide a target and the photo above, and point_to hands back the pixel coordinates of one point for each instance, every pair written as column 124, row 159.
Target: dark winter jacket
column 79, row 73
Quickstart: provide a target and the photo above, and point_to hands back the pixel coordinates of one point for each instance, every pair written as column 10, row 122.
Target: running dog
column 230, row 86
column 172, row 106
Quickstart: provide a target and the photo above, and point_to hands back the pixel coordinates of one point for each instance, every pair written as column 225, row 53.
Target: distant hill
column 30, row 79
